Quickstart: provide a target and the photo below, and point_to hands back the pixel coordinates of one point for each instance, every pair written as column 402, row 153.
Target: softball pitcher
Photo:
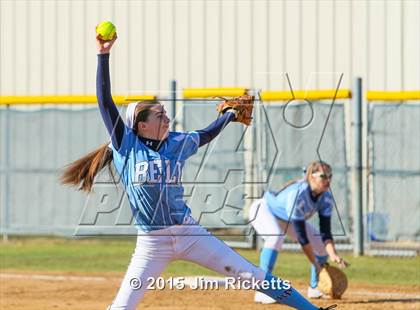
column 149, row 160
column 287, row 212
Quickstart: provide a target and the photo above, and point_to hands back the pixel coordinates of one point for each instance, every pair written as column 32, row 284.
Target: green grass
column 113, row 255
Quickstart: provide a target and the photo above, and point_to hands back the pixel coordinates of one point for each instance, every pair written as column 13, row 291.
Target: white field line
column 193, row 281
column 49, row 277
column 384, row 294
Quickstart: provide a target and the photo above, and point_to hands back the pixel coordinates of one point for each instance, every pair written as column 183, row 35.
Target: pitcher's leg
column 214, row 254
column 150, row 258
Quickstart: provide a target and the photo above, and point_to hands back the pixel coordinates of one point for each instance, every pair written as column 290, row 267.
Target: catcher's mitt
column 243, row 105
column 332, row 281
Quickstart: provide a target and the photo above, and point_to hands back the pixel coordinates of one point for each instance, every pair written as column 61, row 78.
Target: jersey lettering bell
column 152, row 172
column 152, row 179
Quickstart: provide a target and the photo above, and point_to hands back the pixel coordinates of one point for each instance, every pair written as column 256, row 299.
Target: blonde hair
column 314, row 166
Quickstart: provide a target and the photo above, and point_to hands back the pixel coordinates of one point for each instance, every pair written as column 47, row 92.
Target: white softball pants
column 191, row 242
column 273, row 230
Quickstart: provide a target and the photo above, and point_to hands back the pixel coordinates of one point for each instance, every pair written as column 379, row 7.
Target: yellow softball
column 106, row 30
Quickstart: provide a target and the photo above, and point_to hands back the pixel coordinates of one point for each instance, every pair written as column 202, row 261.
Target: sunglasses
column 324, row 176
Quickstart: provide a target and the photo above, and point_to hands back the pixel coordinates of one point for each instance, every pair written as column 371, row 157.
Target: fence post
column 173, row 104
column 6, row 206
column 357, row 180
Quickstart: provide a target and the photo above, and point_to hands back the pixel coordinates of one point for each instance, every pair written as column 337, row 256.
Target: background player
column 287, row 212
column 149, row 160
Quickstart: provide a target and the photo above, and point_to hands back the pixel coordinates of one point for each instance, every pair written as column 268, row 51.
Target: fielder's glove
column 332, row 281
column 242, row 105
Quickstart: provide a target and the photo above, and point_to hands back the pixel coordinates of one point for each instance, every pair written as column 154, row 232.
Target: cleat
column 263, row 299
column 329, row 307
column 314, row 293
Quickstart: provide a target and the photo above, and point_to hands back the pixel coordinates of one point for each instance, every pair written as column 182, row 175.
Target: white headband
column 129, row 117
column 129, row 114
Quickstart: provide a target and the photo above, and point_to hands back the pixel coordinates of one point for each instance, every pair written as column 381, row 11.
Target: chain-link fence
column 35, row 144
column 393, row 218
column 224, row 177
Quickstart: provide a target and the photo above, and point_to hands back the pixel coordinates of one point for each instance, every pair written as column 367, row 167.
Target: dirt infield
column 47, row 290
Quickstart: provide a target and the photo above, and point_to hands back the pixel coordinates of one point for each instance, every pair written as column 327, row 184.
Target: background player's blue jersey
column 295, row 202
column 152, row 179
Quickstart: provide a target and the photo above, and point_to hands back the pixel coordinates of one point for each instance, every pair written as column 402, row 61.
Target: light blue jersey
column 152, row 179
column 295, row 202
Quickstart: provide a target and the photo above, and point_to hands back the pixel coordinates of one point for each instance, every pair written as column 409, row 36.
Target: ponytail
column 82, row 172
